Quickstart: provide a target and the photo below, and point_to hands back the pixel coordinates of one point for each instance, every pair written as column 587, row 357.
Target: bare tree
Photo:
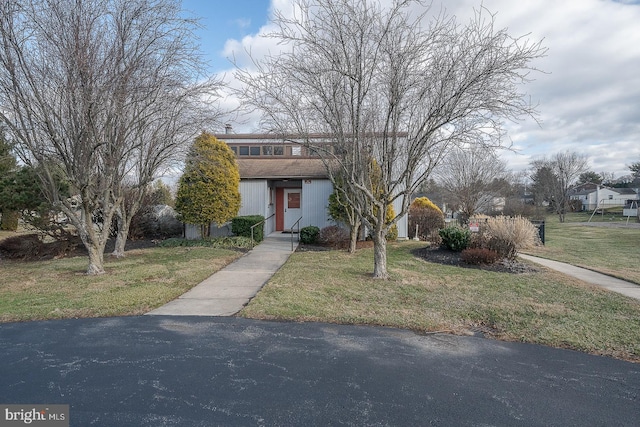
column 394, row 93
column 472, row 179
column 97, row 88
column 554, row 176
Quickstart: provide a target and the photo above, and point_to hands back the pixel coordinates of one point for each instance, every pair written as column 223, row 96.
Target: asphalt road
column 188, row 371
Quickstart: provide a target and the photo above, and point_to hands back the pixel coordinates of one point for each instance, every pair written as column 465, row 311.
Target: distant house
column 285, row 181
column 595, row 196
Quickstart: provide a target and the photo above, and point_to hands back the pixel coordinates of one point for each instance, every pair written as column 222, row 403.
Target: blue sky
column 589, row 95
column 223, row 20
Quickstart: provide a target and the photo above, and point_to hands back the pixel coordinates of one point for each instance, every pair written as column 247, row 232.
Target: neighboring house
column 284, row 181
column 595, row 196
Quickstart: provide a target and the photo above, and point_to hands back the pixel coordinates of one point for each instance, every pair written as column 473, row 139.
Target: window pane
column 255, row 151
column 267, row 150
column 244, row 151
column 296, row 150
column 293, row 201
column 235, row 150
column 278, row 150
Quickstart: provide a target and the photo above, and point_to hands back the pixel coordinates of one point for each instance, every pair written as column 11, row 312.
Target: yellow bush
column 424, row 202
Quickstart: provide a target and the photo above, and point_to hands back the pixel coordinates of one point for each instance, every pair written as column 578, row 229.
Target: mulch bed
column 29, row 247
column 448, row 257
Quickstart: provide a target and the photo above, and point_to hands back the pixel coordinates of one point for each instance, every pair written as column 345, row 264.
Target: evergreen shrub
column 455, row 238
column 309, row 234
column 241, row 226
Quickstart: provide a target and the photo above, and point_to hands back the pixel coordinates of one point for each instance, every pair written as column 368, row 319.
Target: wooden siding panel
column 315, row 200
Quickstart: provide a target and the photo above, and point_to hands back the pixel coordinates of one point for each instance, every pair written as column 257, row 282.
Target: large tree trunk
column 354, row 230
column 380, row 253
column 121, row 236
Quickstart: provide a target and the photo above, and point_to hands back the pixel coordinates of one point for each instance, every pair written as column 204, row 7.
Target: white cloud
column 589, row 95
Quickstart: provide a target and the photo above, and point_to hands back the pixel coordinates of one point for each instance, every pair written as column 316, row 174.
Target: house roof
column 261, row 168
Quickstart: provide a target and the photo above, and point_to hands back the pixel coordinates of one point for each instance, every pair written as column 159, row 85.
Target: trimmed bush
column 477, row 256
column 455, row 238
column 227, row 242
column 334, row 236
column 309, row 234
column 241, row 226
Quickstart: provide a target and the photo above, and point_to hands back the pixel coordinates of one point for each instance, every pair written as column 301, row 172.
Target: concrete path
column 611, row 283
column 225, row 292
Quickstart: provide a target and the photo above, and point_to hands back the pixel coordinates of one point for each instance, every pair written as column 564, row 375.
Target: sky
column 588, row 95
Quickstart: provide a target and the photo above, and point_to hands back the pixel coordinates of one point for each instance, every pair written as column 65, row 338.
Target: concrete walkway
column 225, row 292
column 611, row 283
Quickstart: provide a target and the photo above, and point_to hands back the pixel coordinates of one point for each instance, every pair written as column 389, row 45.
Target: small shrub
column 309, row 234
column 455, row 238
column 9, row 220
column 241, row 226
column 477, row 256
column 504, row 247
column 334, row 236
column 26, row 246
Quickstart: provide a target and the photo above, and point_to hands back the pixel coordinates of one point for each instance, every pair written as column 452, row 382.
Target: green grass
column 613, row 251
column 142, row 281
column 545, row 307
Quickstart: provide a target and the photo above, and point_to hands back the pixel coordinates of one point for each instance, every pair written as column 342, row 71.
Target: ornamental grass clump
column 509, row 235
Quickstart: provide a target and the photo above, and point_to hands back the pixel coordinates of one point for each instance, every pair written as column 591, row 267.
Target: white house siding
column 315, row 201
column 255, row 201
column 403, row 222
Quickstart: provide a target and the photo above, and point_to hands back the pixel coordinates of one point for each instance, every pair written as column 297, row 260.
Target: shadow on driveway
column 188, row 371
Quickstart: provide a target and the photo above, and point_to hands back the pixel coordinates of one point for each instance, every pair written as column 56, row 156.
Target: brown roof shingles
column 261, row 168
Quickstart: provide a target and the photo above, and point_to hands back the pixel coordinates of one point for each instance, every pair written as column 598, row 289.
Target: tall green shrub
column 209, row 188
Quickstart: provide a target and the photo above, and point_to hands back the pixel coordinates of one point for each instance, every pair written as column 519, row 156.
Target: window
column 244, row 150
column 278, row 150
column 610, row 196
column 267, row 150
column 255, row 151
column 296, row 150
column 235, row 150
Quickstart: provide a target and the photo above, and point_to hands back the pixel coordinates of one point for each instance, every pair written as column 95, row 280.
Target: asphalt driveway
column 206, row 371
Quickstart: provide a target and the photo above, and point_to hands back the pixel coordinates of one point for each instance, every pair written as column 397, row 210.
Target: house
column 284, row 181
column 595, row 196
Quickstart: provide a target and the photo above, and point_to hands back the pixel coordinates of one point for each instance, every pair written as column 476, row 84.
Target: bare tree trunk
column 121, row 236
column 354, row 230
column 380, row 254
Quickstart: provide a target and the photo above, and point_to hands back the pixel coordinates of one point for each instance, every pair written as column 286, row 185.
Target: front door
column 292, row 207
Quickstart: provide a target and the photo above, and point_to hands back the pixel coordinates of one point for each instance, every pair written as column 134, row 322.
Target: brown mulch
column 448, row 257
column 29, row 247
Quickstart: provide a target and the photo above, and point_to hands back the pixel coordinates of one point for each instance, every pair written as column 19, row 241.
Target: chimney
column 228, row 128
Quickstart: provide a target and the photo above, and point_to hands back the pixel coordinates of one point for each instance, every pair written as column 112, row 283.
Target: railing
column 297, row 223
column 257, row 224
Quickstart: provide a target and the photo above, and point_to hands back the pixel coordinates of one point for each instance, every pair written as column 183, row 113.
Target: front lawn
column 144, row 280
column 545, row 307
column 601, row 247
